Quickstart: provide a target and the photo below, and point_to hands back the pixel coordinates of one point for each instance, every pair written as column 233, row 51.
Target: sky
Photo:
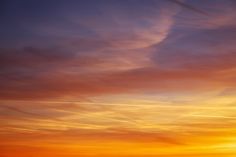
column 118, row 78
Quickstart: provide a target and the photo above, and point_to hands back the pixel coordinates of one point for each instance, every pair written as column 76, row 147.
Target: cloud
column 80, row 65
column 203, row 49
column 190, row 7
column 117, row 78
column 36, row 73
column 219, row 15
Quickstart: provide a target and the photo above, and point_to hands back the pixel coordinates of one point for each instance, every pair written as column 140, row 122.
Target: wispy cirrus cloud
column 117, row 78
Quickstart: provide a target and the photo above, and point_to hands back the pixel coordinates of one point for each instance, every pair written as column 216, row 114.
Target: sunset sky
column 118, row 78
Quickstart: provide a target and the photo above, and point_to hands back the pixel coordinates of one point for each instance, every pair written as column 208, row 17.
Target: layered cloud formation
column 118, row 78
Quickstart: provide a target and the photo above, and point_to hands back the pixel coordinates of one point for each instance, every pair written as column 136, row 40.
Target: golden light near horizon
column 138, row 78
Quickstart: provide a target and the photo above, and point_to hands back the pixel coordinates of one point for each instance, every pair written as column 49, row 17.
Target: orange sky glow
column 135, row 78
